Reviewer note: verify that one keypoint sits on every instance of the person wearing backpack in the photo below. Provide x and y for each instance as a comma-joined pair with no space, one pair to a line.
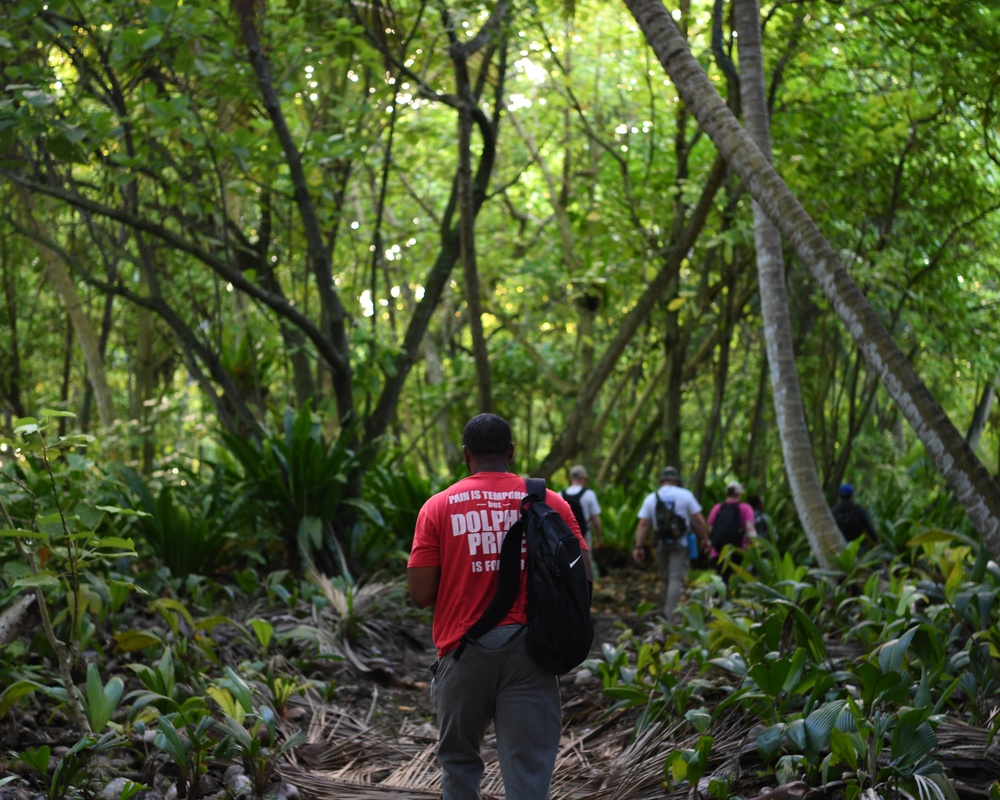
454,565
851,518
585,507
731,523
762,521
669,514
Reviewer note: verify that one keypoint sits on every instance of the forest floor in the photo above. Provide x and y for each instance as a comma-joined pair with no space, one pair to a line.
379,742
374,735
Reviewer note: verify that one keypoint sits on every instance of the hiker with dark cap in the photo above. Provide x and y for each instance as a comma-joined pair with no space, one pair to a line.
454,566
851,518
585,507
658,515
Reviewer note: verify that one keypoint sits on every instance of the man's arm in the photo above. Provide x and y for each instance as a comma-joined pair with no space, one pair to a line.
595,524
423,583
641,531
594,520
701,528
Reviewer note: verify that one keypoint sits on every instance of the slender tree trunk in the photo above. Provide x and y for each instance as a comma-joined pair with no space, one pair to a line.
143,391
640,411
467,229
675,342
10,361
334,314
379,419
713,421
824,536
971,482
59,275
982,413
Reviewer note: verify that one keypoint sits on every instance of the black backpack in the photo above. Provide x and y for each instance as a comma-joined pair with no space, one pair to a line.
727,527
576,503
669,524
560,630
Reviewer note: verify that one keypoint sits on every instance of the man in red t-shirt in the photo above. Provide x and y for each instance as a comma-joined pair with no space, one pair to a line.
454,566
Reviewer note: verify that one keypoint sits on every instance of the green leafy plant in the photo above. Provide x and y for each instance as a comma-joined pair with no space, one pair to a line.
163,693
101,700
189,753
61,546
300,482
691,764
68,777
191,527
394,491
258,744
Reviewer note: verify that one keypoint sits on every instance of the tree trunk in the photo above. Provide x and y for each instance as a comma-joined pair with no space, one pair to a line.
467,227
712,422
334,314
57,272
982,413
10,361
824,536
143,390
969,479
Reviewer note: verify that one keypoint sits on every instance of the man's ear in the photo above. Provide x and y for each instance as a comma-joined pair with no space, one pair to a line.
467,456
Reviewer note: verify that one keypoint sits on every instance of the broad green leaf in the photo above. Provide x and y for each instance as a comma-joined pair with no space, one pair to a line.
263,630
893,653
15,692
42,581
845,748
132,640
128,512
55,412
102,700
10,533
227,702
769,742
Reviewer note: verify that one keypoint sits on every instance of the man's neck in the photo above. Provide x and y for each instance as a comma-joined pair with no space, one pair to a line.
489,465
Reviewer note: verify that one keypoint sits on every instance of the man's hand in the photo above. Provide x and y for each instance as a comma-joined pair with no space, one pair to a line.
641,531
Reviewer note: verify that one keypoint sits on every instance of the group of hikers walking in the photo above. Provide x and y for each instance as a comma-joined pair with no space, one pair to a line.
462,563
672,524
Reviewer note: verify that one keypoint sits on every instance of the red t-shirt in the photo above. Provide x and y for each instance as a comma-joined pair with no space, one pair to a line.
461,531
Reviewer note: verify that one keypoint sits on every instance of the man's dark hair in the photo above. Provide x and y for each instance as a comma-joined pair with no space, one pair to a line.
487,435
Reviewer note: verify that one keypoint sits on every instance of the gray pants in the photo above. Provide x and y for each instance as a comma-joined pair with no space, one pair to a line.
673,561
497,680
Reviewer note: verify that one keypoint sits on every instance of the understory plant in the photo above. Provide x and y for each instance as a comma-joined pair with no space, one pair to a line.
62,537
845,673
301,483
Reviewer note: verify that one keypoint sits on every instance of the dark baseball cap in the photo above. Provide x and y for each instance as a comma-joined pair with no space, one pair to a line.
669,474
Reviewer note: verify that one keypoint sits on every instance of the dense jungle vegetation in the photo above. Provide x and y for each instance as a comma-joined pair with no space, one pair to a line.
260,262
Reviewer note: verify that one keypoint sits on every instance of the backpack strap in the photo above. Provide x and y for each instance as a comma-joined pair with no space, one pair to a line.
536,489
509,578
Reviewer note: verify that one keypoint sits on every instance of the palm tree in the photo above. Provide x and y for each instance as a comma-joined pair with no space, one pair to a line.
825,538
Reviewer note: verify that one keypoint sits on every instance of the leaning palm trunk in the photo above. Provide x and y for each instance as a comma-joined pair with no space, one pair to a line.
968,478
824,536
